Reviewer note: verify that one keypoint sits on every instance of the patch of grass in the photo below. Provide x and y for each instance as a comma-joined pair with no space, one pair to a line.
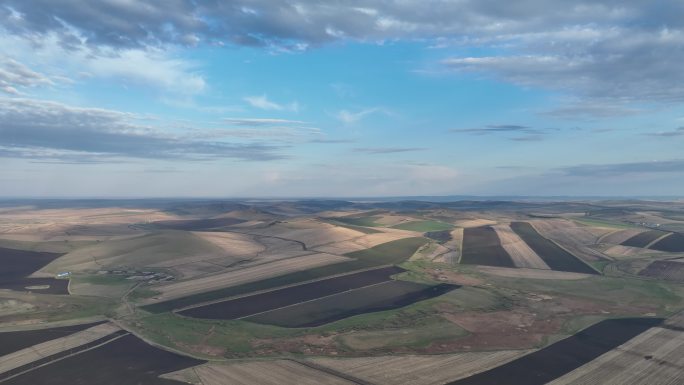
424,226
418,337
103,279
628,294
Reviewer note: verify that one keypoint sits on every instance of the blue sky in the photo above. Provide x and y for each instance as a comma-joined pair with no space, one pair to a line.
359,98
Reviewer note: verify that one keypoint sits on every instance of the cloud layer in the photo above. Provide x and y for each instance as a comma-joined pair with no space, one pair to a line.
47,130
612,50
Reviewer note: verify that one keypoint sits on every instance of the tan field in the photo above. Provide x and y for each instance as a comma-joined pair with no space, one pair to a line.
29,224
628,364
474,223
575,239
569,231
161,248
36,352
236,277
233,244
520,252
366,241
280,372
393,220
531,273
455,245
420,370
311,232
619,251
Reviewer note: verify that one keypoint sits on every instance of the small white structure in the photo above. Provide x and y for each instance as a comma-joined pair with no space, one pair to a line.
64,274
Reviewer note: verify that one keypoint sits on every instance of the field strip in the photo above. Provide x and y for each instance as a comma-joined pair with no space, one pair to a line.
271,372
37,352
435,369
66,354
654,357
249,274
49,325
657,240
521,254
331,371
316,299
531,273
251,293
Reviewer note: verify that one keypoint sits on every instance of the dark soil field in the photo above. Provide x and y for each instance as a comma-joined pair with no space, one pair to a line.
439,236
196,224
564,356
642,240
12,341
48,359
389,253
673,243
384,296
126,361
246,306
554,256
671,271
21,263
37,285
18,264
481,246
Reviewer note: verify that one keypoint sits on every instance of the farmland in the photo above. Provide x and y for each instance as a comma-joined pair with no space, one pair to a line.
385,254
424,226
382,296
17,340
284,293
481,246
259,303
653,357
672,243
669,270
554,256
521,254
124,360
18,265
562,357
420,370
644,239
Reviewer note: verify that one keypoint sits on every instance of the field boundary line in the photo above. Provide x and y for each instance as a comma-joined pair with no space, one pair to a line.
275,288
116,337
658,240
330,371
316,299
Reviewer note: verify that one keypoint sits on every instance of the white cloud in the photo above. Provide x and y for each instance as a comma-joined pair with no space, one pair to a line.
158,68
349,117
264,103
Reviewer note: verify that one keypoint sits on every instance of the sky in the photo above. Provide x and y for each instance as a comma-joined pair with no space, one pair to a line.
276,98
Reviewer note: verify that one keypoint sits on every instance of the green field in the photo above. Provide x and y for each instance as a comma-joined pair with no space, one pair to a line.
424,226
389,253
